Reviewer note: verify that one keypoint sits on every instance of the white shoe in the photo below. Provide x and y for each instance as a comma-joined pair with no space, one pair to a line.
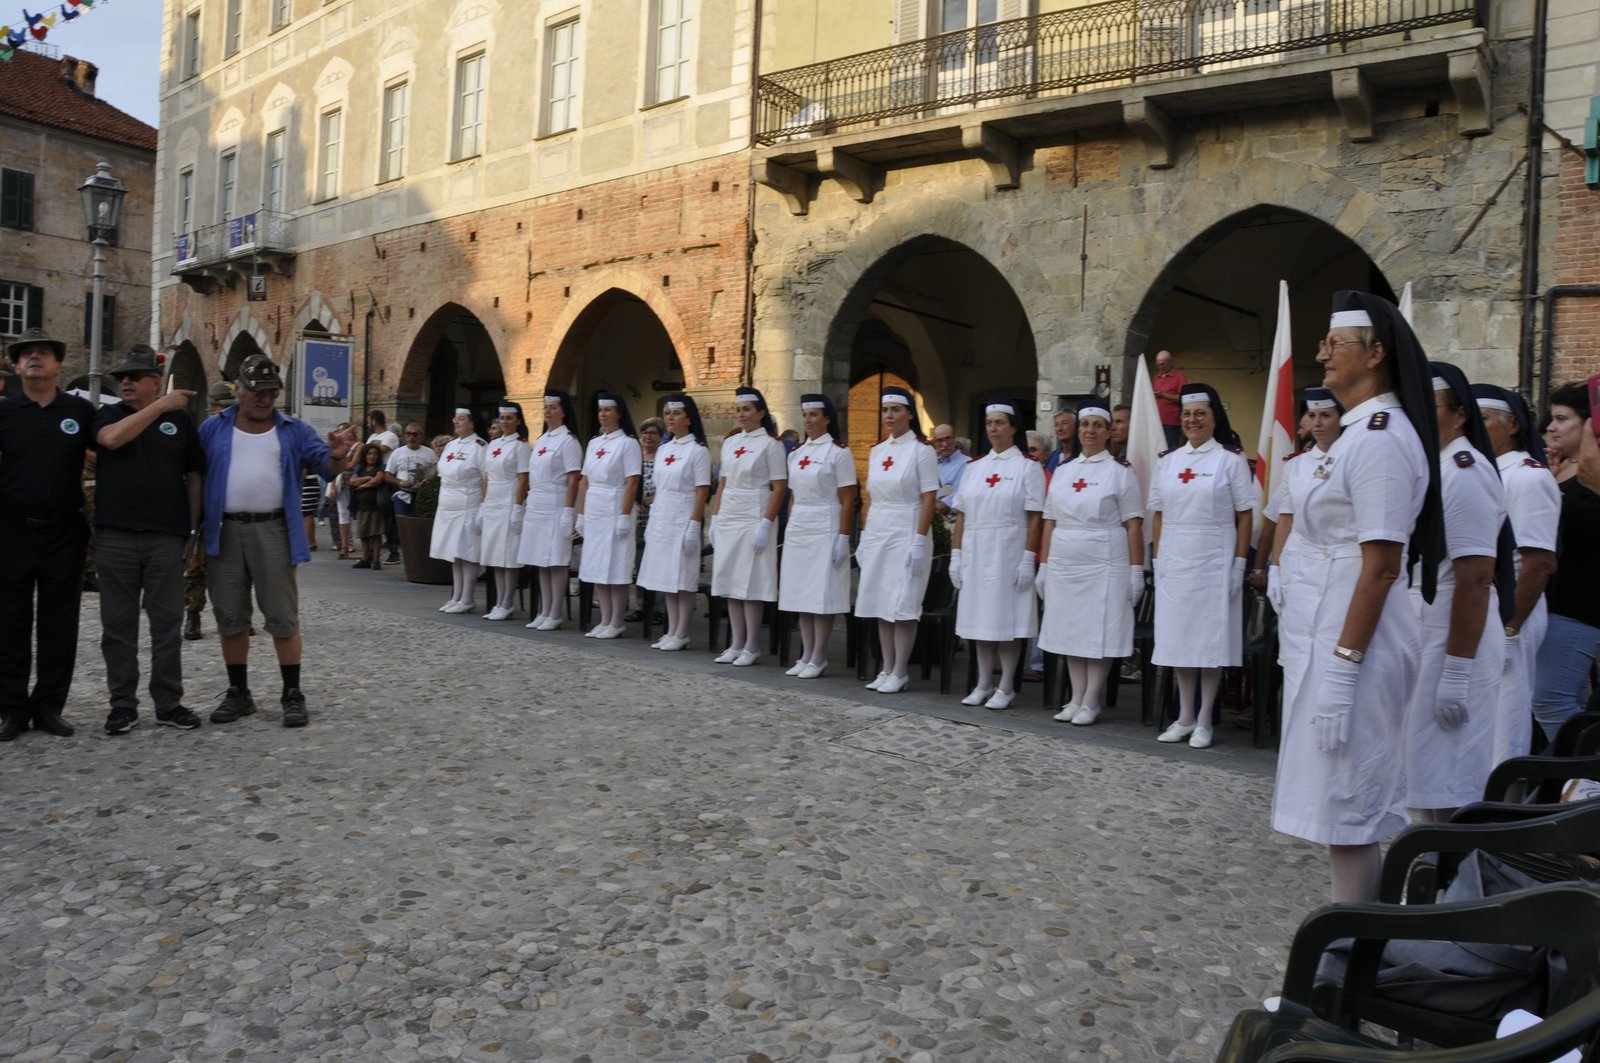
445,608
594,632
604,632
812,671
878,682
1068,711
978,696
550,623
746,659
894,684
1201,738
1176,733
536,624
1086,716
727,656
796,668
498,613
458,607
1000,699
673,642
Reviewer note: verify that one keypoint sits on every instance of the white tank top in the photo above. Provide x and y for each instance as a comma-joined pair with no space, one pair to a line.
253,479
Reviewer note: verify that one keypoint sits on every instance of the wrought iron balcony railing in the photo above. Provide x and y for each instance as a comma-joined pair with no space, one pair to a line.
1062,52
260,232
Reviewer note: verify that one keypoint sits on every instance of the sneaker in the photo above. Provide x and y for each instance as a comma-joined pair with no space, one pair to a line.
180,717
294,708
362,564
121,721
1131,672
393,558
235,704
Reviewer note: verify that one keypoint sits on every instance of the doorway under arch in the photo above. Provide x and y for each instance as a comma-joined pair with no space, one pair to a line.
1215,305
452,362
618,344
189,374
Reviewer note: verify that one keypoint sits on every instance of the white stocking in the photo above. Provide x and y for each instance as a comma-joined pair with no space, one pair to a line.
1094,683
1355,873
1078,677
822,627
752,625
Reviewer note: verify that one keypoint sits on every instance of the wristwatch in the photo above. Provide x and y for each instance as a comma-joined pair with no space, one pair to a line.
1511,631
1346,654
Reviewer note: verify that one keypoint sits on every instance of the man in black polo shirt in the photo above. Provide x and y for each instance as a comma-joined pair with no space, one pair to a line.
44,434
146,516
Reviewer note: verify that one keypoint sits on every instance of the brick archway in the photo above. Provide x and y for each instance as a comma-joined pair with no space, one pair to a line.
588,306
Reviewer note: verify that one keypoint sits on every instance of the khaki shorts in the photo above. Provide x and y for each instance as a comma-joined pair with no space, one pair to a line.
254,555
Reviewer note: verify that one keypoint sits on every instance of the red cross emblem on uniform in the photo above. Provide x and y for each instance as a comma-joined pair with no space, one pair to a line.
600,453
496,453
805,461
670,458
739,453
451,456
543,451
1080,485
1187,475
993,479
888,463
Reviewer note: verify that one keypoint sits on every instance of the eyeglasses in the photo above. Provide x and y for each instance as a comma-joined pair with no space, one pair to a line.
1332,344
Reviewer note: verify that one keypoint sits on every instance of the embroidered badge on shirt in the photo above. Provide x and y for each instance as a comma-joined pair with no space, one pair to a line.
1378,421
1187,474
670,458
993,479
496,453
804,462
1323,468
69,426
168,428
739,453
888,463
1464,459
1080,485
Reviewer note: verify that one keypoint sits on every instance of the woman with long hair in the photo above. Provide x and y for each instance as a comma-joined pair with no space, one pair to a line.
815,581
896,549
671,562
458,522
505,495
607,496
365,480
555,461
744,520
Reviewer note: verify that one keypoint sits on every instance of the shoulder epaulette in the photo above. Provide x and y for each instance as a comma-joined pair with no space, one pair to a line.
731,434
1120,460
1534,464
1233,448
1291,457
1464,459
1164,453
481,442
1378,421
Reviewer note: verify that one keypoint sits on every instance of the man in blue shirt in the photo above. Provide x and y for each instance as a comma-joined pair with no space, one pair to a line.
256,459
951,462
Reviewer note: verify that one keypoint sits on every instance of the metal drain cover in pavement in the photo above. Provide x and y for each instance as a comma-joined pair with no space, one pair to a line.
927,740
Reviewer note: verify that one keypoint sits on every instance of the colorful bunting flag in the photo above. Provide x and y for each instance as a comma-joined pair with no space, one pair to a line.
38,26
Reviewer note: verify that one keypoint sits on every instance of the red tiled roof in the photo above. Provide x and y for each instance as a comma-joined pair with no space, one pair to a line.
36,88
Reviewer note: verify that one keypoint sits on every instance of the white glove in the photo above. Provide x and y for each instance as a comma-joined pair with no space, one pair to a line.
623,525
841,550
1450,699
919,550
1040,578
691,537
1275,590
711,530
1024,570
569,521
1236,588
763,534
955,569
578,523
1135,585
1331,716
517,513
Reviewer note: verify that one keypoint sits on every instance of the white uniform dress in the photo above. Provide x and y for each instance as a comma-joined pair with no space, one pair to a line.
1199,613
669,565
994,498
607,463
1086,607
1295,570
750,462
899,471
1447,769
810,582
551,458
1533,501
455,537
504,460
1377,480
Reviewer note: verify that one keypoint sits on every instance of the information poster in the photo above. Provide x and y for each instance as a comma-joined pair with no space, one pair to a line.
323,381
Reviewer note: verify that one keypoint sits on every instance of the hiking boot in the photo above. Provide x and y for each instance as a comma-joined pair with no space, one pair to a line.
235,703
294,708
121,721
178,716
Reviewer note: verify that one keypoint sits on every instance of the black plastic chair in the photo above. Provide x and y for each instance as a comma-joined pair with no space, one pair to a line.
1538,780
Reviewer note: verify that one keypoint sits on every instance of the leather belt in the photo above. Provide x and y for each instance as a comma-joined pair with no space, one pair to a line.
254,518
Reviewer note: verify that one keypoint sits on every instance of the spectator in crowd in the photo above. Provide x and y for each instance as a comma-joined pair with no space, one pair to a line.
339,490
44,438
378,425
964,447
1121,417
437,445
790,438
147,520
252,531
1067,448
1568,653
365,480
378,432
219,396
1168,384
951,462
407,468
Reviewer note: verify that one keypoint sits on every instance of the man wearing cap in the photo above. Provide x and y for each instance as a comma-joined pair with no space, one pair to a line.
147,519
44,435
253,533
1168,384
219,396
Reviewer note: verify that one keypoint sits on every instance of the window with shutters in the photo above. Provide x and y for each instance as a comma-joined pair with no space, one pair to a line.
469,107
561,78
966,64
191,45
392,159
282,14
16,199
108,320
330,140
233,29
20,306
227,183
671,45
186,201
272,183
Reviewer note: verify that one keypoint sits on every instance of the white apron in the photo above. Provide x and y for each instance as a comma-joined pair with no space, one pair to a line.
1086,607
1199,618
460,494
551,458
668,565
750,462
504,461
810,582
608,462
1533,502
1295,576
994,498
899,471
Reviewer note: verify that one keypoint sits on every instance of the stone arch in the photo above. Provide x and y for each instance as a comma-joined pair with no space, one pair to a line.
450,358
316,308
618,340
585,296
244,323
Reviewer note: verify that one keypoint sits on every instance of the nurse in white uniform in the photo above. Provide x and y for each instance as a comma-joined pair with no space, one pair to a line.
1091,564
1341,776
993,549
1290,565
459,519
671,562
895,552
1453,717
815,581
555,461
607,493
1203,499
505,493
744,564
1533,502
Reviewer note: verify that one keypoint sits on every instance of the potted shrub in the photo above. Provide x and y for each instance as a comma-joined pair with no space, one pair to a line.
416,535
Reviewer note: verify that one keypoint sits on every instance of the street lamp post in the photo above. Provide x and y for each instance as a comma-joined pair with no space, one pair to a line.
102,205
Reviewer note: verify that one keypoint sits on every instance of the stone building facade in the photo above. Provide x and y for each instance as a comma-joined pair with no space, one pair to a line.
1569,349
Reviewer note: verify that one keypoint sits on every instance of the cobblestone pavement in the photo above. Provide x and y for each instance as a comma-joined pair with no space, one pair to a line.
492,844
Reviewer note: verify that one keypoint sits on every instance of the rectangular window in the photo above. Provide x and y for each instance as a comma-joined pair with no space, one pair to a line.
20,307
282,14
272,183
233,30
332,130
469,107
393,160
186,201
16,199
227,181
671,48
191,45
108,320
561,78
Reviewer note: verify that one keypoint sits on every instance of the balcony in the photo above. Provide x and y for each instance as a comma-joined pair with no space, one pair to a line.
240,246
1143,64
